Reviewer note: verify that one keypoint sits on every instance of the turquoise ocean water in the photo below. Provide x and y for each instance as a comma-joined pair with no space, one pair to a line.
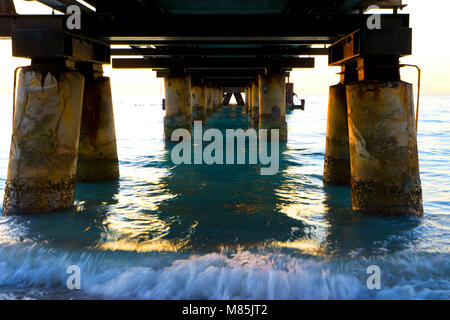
226,232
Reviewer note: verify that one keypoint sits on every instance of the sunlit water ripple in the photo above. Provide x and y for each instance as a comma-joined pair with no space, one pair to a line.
226,232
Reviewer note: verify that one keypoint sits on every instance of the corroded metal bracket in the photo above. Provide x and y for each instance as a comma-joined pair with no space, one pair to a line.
45,37
393,39
58,44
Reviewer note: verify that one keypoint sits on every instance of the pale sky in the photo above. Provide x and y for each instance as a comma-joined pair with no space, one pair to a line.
431,51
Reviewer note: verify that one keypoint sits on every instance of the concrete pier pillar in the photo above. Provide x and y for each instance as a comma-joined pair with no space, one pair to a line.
198,98
272,104
178,109
97,155
337,151
255,103
227,98
383,148
216,100
250,101
246,100
220,97
209,95
188,92
44,147
239,99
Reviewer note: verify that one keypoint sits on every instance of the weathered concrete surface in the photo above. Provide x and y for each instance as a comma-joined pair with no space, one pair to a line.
383,148
178,109
272,104
198,98
44,147
209,100
97,155
255,103
337,151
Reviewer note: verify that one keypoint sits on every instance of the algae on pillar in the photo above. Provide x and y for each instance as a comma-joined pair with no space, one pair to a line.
178,109
337,150
383,144
255,103
97,155
272,104
44,147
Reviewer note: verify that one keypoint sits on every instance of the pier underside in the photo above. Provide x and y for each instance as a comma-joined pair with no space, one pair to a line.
207,51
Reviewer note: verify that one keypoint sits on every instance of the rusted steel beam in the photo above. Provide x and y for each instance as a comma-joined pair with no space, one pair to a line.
368,43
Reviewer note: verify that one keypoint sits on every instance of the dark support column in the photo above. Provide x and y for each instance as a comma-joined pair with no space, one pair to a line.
337,152
239,99
289,95
227,98
46,131
217,102
97,155
248,99
209,94
383,141
7,6
255,103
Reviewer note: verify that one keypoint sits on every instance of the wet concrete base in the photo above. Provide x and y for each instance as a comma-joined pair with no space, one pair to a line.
44,147
383,148
172,123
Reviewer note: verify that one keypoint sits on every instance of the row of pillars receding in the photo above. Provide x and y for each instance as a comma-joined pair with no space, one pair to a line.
63,132
188,100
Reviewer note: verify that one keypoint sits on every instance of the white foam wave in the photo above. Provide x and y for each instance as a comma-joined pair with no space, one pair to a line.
243,275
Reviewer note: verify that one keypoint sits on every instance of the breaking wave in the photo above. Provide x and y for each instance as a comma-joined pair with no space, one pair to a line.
241,275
